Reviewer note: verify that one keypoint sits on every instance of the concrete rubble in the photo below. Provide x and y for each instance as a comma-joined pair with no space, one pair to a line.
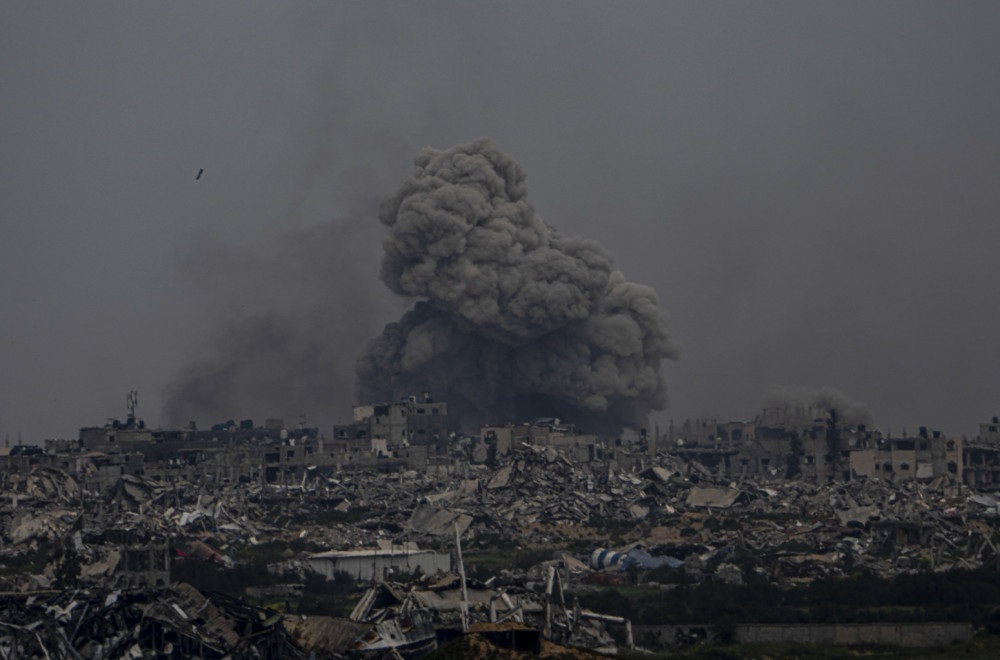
638,512
174,621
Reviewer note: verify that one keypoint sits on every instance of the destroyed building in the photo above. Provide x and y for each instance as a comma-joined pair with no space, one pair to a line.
117,438
543,432
981,459
731,503
390,429
628,513
412,434
822,452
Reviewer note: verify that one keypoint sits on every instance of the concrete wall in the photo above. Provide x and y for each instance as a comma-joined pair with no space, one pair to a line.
863,463
503,436
989,433
115,439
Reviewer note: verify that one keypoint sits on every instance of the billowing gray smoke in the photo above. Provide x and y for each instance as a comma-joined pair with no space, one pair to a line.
513,320
802,405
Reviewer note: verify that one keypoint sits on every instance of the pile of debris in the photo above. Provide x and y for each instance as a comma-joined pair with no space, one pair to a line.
636,514
177,620
536,496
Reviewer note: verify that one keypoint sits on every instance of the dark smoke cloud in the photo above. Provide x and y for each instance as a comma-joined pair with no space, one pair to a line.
294,317
514,320
801,405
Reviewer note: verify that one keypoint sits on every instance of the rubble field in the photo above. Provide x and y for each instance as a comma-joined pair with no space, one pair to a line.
550,544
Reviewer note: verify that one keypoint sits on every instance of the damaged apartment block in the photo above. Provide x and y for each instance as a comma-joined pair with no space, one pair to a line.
519,534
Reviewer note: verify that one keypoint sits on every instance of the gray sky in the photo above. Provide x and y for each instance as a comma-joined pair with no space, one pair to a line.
811,188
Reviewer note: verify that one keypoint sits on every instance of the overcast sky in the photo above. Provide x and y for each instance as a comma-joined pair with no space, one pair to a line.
811,188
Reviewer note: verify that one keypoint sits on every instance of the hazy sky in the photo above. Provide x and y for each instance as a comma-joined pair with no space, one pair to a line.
812,188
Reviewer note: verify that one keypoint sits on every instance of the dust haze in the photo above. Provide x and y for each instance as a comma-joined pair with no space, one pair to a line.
810,190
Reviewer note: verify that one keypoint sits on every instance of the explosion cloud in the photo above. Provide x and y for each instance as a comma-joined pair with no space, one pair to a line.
512,319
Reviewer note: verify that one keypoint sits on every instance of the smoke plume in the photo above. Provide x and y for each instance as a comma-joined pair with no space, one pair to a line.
289,323
802,405
512,319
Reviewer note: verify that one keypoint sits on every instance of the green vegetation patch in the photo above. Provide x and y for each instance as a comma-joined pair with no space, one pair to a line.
985,648
960,596
486,563
272,552
207,576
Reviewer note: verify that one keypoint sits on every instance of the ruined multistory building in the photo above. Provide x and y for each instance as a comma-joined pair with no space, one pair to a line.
544,432
989,433
115,437
413,434
927,456
825,451
390,429
981,459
